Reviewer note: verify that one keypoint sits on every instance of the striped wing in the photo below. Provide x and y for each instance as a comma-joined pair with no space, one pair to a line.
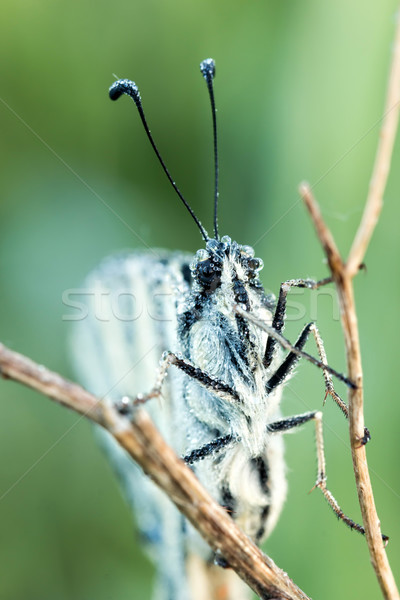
132,302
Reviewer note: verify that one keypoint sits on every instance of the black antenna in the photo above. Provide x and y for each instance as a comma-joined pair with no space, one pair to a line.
125,86
207,68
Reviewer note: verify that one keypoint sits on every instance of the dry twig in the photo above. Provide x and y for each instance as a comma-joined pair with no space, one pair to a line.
343,274
145,445
381,168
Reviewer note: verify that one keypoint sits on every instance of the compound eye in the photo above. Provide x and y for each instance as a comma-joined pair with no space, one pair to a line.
254,264
208,274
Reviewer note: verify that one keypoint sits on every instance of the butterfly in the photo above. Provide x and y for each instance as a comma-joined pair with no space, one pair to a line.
200,332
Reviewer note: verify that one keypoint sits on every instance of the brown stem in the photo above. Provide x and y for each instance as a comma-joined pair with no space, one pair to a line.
381,168
145,445
344,285
343,274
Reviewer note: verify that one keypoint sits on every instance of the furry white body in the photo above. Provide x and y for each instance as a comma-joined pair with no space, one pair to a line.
190,312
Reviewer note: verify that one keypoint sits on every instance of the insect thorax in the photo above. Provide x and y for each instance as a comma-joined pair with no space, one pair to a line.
225,345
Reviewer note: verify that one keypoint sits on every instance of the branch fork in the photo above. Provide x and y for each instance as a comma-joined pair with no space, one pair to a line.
343,272
141,440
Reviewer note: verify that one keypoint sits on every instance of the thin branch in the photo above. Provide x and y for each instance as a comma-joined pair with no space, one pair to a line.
381,168
344,285
143,442
326,238
145,445
343,277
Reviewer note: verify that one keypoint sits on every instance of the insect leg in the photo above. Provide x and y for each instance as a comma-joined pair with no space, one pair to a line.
286,367
291,422
210,449
278,322
209,383
284,370
286,344
329,383
328,379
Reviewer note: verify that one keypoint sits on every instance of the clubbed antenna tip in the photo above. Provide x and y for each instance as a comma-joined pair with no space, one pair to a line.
125,86
207,68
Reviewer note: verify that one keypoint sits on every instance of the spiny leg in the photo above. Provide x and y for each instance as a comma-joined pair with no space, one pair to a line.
316,416
214,386
126,404
210,449
329,387
284,370
278,322
285,343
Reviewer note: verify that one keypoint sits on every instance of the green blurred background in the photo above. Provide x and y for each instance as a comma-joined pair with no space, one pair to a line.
300,89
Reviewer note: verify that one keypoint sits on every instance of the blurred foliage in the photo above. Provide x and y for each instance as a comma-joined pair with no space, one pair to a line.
300,89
